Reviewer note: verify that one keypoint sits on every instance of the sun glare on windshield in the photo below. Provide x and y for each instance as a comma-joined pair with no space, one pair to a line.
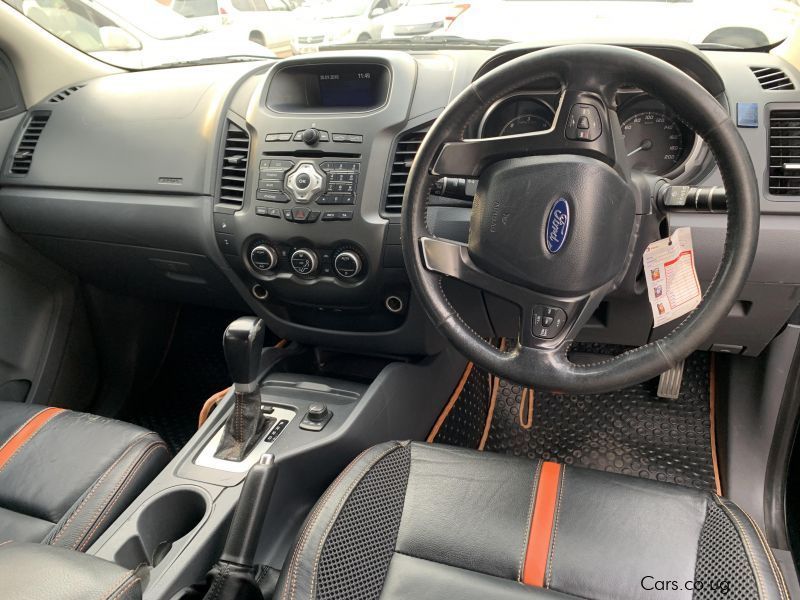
142,34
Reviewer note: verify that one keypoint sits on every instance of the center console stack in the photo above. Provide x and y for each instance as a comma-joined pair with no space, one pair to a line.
300,217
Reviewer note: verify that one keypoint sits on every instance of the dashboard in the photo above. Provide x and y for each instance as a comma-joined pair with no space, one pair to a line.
277,188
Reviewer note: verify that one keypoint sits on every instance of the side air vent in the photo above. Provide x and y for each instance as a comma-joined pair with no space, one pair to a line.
772,78
64,94
784,152
234,165
406,149
23,153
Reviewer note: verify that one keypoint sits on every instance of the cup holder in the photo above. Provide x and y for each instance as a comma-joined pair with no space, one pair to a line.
162,521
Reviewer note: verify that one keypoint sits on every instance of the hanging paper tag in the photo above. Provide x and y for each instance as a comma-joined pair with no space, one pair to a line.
672,285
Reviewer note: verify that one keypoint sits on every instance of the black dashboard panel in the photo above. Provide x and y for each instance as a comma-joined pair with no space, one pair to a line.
259,184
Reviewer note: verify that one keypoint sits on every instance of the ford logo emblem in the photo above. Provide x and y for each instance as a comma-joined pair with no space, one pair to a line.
557,226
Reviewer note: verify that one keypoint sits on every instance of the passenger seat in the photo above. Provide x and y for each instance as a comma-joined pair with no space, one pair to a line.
65,476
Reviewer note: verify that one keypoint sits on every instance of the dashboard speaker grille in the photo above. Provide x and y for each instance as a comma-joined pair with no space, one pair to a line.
405,150
784,152
65,93
234,165
772,78
23,153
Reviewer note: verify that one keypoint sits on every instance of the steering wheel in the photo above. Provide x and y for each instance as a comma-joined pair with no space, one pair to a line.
557,217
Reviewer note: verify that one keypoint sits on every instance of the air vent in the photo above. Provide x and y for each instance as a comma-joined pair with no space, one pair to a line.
23,154
234,165
784,152
772,78
65,93
407,145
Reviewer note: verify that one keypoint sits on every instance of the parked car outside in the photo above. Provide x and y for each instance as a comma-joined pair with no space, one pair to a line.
134,35
340,22
422,17
270,23
725,22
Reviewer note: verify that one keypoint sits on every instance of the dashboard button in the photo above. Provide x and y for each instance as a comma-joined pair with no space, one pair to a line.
355,139
261,211
270,185
284,137
310,136
343,199
226,243
287,214
304,261
279,163
329,215
312,216
324,136
275,213
344,215
271,196
271,174
223,223
339,137
347,264
300,214
263,257
303,181
327,199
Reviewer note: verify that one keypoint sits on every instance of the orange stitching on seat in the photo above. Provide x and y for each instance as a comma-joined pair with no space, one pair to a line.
25,434
95,487
117,493
541,530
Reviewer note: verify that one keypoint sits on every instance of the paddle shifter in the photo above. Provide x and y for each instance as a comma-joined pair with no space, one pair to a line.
242,342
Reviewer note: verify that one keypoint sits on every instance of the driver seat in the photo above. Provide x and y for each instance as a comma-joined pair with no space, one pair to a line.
408,520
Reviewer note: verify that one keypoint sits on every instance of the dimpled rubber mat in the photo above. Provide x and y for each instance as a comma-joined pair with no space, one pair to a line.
466,421
629,431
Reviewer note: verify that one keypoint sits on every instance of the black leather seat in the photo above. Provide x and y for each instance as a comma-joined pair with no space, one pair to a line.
65,476
411,520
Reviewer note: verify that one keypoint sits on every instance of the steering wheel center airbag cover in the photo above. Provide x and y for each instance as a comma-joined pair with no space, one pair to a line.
560,224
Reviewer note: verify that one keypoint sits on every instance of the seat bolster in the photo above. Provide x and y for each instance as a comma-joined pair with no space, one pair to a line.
298,579
112,491
767,573
37,572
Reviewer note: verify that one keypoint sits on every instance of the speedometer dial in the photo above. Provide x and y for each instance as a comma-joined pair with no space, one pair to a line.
525,124
655,142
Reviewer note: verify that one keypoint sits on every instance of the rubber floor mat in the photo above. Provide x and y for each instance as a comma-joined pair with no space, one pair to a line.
629,431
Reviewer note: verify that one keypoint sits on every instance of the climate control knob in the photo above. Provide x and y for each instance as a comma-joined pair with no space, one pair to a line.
304,261
347,264
263,257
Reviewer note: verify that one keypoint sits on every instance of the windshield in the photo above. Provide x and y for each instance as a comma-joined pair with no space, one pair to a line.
151,33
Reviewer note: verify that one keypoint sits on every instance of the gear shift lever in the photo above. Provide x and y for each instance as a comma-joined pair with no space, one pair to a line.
242,343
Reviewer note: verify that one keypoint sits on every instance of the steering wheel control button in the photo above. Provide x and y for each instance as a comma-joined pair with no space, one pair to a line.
547,321
304,182
583,123
347,264
304,262
316,417
263,257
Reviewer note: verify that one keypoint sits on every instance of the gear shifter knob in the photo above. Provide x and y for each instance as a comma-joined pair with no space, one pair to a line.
242,342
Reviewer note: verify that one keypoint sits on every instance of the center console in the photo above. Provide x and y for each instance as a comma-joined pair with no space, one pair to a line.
300,218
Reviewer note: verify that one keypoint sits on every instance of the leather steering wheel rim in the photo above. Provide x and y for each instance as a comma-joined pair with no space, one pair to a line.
602,69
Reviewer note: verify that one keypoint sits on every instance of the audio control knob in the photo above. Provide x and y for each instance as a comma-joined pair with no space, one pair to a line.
347,264
304,261
263,257
311,136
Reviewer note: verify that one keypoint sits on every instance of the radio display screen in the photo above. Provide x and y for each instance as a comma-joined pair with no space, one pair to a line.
344,86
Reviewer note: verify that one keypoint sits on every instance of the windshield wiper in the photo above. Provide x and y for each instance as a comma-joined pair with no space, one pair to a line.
213,60
421,41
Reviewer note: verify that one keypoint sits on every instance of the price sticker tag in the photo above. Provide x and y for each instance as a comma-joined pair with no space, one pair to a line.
672,284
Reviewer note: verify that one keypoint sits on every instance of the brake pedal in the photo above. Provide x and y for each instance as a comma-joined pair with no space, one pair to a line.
669,383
